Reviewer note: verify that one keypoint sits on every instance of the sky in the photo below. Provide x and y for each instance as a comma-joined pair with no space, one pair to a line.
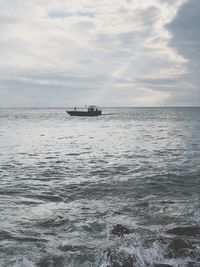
57,53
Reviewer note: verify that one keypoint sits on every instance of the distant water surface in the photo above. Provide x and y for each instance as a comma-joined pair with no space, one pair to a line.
66,181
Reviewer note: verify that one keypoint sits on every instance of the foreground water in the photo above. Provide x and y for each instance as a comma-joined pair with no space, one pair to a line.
67,181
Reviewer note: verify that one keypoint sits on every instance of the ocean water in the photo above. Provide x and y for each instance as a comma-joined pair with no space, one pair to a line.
65,182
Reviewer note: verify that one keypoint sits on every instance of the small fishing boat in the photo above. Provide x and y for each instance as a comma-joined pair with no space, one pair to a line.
90,112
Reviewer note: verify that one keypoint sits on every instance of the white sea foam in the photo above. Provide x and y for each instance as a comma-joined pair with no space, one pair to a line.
24,263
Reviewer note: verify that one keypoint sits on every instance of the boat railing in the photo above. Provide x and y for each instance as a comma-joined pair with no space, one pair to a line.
86,108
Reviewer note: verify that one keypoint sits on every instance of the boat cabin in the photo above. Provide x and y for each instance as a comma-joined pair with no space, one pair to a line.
92,108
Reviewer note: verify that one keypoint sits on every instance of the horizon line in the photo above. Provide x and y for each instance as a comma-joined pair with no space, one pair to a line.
62,107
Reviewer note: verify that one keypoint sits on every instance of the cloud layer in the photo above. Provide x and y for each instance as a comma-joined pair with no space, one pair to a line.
110,53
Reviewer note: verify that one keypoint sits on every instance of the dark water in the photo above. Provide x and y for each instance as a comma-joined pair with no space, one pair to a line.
66,181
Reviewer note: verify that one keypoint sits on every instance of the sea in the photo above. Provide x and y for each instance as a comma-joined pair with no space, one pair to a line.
68,183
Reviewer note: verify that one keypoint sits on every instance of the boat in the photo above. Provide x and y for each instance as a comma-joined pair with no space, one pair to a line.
90,112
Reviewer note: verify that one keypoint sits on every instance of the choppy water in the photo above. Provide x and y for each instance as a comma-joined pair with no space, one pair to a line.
66,181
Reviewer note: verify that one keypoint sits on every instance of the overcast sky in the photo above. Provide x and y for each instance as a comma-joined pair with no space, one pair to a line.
56,53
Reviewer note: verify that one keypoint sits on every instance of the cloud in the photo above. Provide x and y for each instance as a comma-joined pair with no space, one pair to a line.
103,52
186,40
186,35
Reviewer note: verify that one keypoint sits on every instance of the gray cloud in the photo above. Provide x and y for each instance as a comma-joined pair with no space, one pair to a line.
186,34
186,39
